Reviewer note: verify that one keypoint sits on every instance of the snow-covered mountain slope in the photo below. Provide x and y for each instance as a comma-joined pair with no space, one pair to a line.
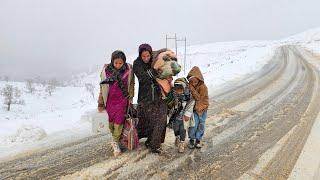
307,37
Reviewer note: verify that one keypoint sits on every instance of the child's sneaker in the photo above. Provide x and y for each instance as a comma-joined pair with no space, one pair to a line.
181,147
116,149
191,144
177,141
198,144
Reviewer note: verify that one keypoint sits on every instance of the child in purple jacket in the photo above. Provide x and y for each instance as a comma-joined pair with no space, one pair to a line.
116,92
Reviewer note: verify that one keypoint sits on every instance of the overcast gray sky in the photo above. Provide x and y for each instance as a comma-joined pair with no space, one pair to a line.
60,37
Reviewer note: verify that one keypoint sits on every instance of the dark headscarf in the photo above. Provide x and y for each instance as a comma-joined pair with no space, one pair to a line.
145,47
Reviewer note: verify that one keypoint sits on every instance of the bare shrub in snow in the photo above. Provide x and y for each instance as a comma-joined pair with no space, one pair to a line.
11,96
30,86
90,88
51,86
54,82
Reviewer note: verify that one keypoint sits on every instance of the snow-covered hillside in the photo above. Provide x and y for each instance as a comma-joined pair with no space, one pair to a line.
48,120
223,62
309,39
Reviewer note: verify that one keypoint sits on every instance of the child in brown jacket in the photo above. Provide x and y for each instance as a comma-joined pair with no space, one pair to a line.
199,92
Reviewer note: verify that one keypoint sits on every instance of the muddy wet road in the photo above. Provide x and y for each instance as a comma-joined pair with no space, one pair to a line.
256,129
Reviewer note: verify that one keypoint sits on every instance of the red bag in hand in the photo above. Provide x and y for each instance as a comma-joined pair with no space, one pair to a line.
129,137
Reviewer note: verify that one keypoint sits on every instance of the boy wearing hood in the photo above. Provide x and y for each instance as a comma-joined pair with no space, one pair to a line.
199,92
181,106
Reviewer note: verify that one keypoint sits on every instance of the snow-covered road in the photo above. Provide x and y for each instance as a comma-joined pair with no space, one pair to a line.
256,129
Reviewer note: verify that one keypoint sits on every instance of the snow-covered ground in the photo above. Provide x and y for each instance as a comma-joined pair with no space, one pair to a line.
65,116
44,119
